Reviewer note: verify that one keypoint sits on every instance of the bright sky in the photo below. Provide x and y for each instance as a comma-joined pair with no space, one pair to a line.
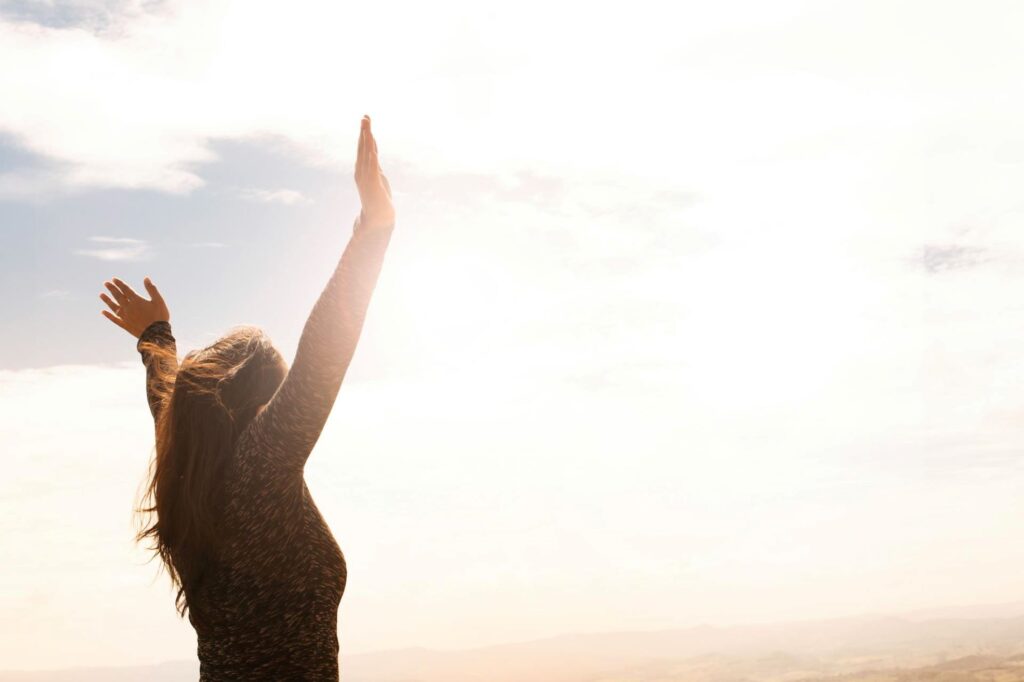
706,314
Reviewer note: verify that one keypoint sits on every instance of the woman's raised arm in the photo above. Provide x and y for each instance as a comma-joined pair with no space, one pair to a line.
149,322
159,354
290,424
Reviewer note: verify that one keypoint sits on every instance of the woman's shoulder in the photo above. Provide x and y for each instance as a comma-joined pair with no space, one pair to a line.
254,471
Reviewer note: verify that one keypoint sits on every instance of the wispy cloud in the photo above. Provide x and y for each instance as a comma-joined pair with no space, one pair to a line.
29,184
56,293
288,197
117,249
93,15
936,258
207,245
676,197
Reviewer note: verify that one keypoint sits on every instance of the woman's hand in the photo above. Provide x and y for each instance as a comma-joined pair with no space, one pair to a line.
374,189
131,312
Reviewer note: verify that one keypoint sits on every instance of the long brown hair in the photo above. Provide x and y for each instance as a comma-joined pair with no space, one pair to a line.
203,407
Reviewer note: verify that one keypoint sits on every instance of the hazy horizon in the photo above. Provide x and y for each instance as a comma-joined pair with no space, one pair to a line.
702,314
973,643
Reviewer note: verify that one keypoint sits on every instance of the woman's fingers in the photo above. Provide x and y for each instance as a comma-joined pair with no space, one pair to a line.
372,167
113,306
372,162
128,291
374,188
153,292
369,156
361,150
119,295
116,320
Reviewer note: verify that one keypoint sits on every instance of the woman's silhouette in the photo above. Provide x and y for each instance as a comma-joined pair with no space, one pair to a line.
230,516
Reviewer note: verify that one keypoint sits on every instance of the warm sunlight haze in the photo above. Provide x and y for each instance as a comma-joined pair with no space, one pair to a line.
694,313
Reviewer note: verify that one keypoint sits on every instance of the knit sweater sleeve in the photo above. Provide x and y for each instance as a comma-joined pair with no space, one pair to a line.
158,367
291,422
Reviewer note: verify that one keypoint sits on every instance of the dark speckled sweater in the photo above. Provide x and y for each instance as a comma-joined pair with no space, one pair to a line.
269,603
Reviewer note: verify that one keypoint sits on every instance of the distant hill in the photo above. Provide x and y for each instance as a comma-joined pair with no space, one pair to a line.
966,669
176,671
867,649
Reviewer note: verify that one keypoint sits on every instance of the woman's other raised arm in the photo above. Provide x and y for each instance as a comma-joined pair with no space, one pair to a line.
290,424
149,322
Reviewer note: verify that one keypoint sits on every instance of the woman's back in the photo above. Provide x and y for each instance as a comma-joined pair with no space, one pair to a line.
269,605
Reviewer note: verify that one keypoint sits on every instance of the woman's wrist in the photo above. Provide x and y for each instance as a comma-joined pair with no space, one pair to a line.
373,223
156,328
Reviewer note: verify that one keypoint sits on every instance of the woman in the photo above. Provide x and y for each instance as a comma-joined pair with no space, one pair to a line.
231,518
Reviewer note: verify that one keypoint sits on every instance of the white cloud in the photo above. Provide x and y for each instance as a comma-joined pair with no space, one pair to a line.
32,185
288,197
137,108
118,249
97,15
